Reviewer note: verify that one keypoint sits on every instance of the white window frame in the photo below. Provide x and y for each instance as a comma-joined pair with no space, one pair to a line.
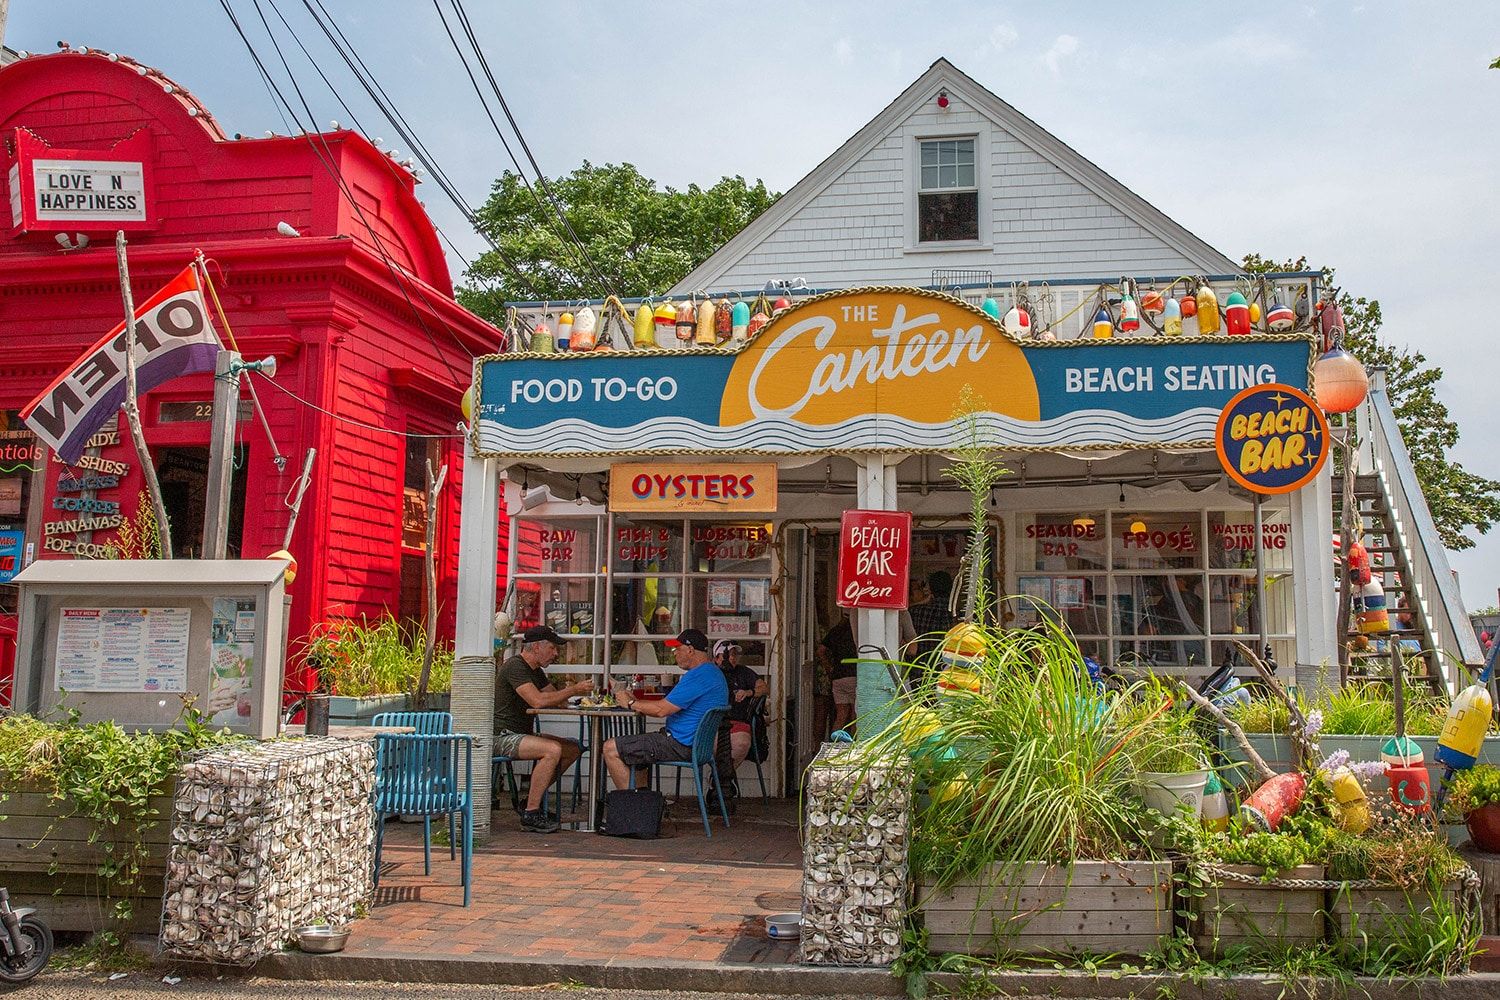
913,188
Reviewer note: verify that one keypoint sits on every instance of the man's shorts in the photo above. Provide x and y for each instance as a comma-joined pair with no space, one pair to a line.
508,744
844,690
645,749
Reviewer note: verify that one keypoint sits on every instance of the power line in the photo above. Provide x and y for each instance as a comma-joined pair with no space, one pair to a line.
350,420
520,172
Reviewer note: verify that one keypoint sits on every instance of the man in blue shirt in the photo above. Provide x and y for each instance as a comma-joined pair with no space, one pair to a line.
700,688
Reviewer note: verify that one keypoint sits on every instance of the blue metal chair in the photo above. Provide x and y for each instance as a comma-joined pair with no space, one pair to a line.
423,724
419,775
704,742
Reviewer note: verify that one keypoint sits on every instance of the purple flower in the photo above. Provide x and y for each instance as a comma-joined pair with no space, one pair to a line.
1368,770
1336,760
1314,724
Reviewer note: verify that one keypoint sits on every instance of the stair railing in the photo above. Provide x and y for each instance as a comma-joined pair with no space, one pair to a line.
1434,591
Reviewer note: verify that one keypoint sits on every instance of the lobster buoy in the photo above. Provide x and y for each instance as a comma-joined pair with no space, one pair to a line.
781,303
1104,329
1171,318
1280,319
1215,804
1017,322
585,330
1468,720
686,320
1130,314
963,648
990,308
1188,306
1236,315
739,322
1153,303
1405,752
756,322
1351,810
665,320
708,326
1254,313
1359,565
645,327
291,564
1411,787
1370,602
1331,323
564,338
541,339
723,321
1208,311
1274,801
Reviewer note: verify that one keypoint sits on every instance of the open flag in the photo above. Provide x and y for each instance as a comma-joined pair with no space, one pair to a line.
172,338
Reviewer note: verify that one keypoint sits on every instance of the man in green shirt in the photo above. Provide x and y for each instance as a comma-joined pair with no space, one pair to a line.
520,684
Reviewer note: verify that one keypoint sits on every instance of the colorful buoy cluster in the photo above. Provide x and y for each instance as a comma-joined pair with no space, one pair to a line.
694,322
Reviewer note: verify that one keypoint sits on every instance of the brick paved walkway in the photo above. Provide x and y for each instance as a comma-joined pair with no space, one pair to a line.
582,897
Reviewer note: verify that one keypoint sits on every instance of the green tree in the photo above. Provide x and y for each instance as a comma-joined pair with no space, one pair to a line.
1459,499
641,239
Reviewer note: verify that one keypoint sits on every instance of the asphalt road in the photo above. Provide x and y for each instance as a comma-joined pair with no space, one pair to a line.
96,986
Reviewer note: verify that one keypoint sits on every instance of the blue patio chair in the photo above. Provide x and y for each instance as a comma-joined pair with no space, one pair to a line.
704,742
423,724
419,775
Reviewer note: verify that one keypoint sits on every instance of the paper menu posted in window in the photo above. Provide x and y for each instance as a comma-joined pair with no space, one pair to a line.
123,649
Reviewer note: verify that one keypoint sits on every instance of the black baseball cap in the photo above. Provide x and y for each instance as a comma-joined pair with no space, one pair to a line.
541,633
690,637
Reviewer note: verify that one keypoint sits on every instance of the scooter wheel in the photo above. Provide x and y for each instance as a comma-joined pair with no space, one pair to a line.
36,952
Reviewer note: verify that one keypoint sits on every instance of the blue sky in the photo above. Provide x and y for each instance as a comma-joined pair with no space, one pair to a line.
1359,134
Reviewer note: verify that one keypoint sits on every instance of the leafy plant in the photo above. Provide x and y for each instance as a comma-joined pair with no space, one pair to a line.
1474,789
1167,739
106,775
138,537
1350,711
1302,839
357,659
977,471
1402,852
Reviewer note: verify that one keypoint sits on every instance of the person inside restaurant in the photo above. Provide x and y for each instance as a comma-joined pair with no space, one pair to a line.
747,691
701,688
520,684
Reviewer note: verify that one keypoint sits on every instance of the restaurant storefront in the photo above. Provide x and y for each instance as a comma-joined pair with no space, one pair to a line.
1114,516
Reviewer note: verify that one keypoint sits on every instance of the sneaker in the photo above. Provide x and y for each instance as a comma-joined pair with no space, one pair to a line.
538,822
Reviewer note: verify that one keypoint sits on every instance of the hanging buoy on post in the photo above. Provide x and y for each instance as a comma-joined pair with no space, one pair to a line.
685,323
541,339
1130,313
1280,319
757,321
1017,322
708,327
1236,315
1153,303
990,308
739,322
1104,328
665,320
1171,318
645,328
723,321
1207,310
1374,619
564,332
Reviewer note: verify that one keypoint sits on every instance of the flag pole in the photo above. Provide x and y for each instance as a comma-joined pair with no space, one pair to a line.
133,412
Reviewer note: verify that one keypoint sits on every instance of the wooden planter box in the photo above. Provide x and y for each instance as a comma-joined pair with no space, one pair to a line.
1103,907
1261,917
1376,916
47,862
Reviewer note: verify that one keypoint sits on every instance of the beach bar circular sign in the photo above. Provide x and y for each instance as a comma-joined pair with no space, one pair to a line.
1272,438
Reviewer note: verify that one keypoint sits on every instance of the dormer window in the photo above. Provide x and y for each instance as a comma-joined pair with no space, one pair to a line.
948,198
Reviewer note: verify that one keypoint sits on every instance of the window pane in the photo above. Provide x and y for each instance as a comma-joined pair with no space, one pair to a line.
948,217
947,155
1079,602
647,546
1158,541
1061,542
730,548
1159,605
729,609
929,154
567,606
965,175
1232,611
930,176
557,545
1231,535
965,151
947,176
648,606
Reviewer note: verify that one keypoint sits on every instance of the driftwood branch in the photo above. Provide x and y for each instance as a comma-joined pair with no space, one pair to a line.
1256,760
1305,750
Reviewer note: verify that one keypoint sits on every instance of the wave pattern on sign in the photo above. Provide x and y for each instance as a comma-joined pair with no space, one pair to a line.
871,432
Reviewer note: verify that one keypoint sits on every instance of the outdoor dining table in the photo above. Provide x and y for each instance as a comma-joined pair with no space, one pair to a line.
595,717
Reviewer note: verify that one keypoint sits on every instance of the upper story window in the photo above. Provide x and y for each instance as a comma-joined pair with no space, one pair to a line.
948,199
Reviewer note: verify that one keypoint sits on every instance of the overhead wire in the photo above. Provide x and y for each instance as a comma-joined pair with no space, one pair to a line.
398,273
351,420
571,237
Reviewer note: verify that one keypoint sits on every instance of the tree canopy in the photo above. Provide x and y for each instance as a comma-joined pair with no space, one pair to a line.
1459,499
640,239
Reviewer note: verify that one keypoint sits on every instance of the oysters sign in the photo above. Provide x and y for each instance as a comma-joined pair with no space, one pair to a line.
873,370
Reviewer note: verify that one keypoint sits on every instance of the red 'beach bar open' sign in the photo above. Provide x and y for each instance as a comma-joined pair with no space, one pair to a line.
874,559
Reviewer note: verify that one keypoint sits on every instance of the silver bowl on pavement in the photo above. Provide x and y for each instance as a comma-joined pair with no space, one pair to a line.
322,940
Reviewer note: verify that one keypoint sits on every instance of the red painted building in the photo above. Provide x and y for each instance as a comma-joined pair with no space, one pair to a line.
358,310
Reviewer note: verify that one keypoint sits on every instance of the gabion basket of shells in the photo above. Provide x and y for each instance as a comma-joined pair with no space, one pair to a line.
854,860
267,838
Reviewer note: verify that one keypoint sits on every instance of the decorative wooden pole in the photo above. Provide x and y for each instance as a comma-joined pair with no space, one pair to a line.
429,560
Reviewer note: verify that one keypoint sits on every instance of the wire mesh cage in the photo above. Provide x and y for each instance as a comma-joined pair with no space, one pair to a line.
854,863
954,279
266,838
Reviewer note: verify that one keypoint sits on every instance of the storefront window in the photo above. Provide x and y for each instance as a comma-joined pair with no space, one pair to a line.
646,546
731,608
1065,542
1231,536
558,545
1232,604
647,605
1158,541
730,548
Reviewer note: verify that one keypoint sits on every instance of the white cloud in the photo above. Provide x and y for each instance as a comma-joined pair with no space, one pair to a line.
1063,47
844,51
1003,36
1247,44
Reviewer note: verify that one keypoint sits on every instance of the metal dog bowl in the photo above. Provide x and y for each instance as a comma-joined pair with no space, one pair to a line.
784,925
322,940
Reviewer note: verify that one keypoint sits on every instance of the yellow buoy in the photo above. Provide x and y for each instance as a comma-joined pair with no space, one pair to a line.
291,564
466,403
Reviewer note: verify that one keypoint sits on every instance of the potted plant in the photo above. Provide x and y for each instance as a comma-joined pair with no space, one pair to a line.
1475,795
1169,756
371,668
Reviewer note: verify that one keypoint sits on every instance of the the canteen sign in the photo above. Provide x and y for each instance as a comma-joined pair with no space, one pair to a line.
1272,439
873,370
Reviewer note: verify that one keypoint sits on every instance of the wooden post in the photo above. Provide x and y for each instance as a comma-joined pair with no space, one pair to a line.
133,411
1347,519
302,484
429,561
221,456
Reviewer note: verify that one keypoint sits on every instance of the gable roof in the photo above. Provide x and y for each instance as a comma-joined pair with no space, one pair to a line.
943,74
